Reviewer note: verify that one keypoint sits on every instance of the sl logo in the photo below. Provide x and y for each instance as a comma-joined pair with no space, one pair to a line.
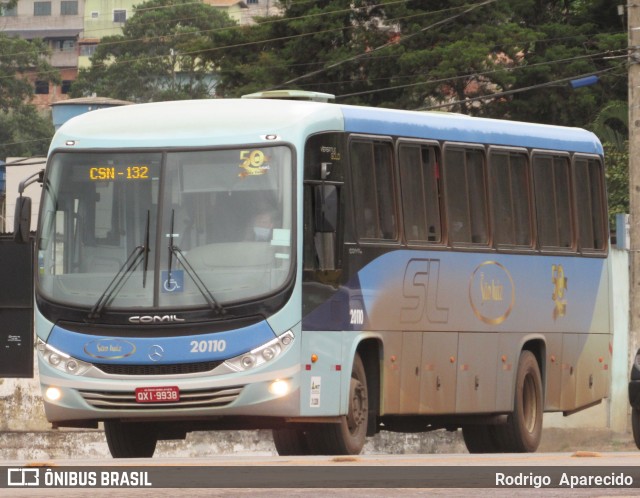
559,291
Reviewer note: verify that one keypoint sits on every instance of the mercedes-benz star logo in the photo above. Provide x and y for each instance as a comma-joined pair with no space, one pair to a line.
156,352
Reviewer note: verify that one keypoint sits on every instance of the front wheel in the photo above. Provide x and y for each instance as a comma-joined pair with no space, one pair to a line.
349,436
129,440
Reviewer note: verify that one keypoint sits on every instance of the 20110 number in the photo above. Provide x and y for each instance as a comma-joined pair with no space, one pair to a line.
210,346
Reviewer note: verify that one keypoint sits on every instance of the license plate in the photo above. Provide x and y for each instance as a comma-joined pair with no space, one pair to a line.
165,394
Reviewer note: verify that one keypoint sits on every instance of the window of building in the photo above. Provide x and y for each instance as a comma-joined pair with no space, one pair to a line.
466,199
509,173
589,197
88,49
119,15
553,200
66,86
7,11
255,2
42,87
95,14
373,189
41,8
419,174
69,8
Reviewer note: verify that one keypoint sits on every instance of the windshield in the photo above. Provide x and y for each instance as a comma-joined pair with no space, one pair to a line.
165,230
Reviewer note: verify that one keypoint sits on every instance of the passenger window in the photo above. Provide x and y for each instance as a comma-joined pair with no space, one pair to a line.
373,192
553,201
466,201
590,203
419,176
511,199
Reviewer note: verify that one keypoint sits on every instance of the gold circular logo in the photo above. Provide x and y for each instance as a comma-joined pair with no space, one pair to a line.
491,292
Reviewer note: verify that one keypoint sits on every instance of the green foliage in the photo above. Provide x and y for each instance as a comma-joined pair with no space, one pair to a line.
617,175
24,133
19,59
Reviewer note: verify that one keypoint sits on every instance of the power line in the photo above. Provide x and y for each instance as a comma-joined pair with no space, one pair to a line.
483,73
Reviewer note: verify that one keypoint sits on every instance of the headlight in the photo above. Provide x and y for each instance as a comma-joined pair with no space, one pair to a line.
61,361
261,355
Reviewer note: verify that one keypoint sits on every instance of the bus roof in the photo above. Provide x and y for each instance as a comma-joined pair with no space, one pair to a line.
235,121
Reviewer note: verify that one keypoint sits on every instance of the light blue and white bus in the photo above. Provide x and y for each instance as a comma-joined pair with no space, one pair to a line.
322,270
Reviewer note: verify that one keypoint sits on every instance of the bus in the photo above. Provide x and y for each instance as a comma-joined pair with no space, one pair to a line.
323,271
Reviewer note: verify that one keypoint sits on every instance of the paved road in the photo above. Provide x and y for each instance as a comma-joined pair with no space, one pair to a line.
397,475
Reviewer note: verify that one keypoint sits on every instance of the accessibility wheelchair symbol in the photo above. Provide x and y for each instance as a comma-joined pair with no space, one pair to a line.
174,282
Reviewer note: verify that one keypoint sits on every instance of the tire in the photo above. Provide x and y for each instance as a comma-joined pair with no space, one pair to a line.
523,429
127,440
481,439
289,442
349,436
635,425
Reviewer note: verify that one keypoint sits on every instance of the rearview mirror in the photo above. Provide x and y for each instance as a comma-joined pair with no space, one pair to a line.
22,220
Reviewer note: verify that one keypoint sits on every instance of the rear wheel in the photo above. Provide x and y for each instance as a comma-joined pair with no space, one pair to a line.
635,425
523,430
130,440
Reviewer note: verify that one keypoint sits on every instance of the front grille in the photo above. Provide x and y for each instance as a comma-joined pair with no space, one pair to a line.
208,398
177,369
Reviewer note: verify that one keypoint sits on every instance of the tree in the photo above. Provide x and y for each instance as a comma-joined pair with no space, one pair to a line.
23,131
166,52
403,54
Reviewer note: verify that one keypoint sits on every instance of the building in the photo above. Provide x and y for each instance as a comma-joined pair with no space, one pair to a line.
60,24
73,29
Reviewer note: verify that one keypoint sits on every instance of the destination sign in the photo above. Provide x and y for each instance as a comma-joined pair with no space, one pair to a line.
108,173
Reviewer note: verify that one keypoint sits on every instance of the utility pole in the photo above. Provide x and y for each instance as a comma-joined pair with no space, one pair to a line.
633,20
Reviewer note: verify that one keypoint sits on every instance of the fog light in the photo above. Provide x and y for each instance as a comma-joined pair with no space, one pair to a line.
279,387
53,394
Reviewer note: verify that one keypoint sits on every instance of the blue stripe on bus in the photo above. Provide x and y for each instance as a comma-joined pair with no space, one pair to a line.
459,128
160,350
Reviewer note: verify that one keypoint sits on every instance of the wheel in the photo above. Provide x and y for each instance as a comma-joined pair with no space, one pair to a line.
127,440
523,429
291,442
348,436
635,425
481,439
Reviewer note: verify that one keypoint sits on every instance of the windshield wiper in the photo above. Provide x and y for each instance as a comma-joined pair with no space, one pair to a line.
116,283
139,253
175,250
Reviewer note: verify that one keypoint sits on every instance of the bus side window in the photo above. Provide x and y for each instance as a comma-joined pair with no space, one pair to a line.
420,192
466,201
589,203
373,189
553,201
511,198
